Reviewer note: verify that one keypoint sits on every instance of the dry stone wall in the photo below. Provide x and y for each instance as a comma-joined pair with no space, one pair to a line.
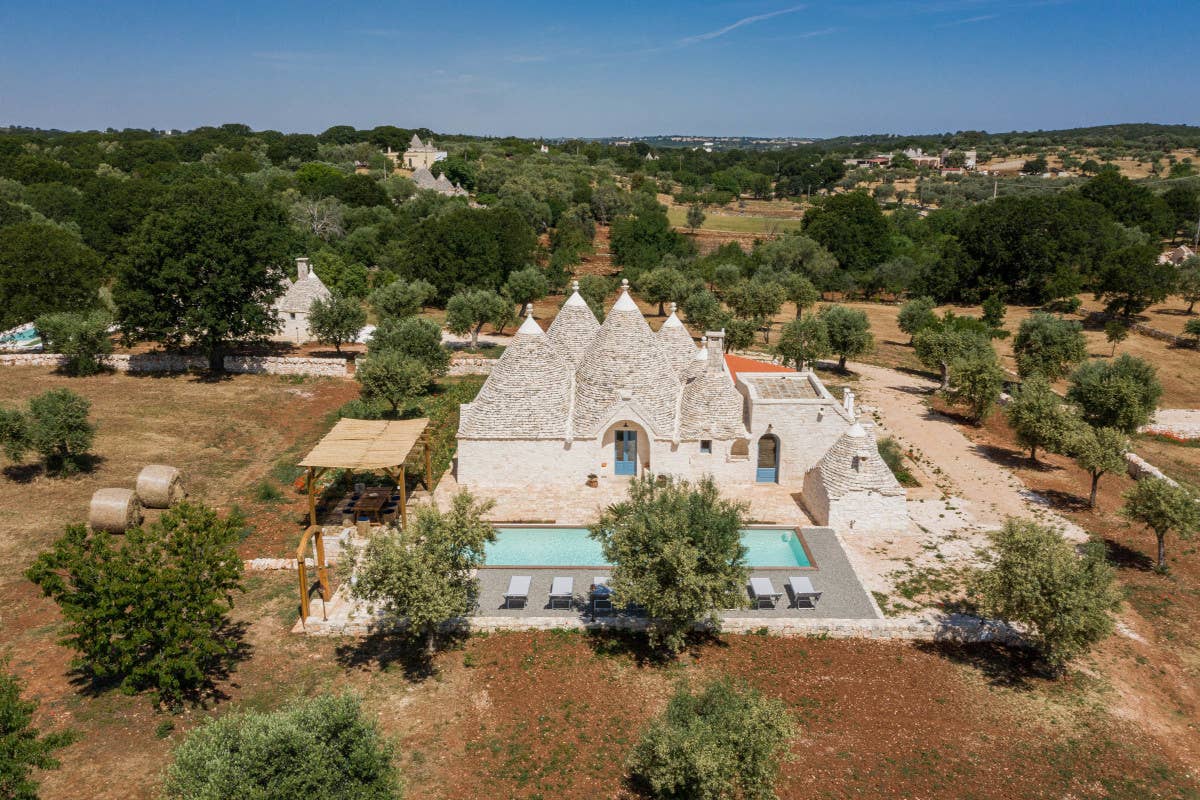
175,362
472,366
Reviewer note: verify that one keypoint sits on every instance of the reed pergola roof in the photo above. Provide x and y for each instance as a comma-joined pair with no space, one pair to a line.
366,444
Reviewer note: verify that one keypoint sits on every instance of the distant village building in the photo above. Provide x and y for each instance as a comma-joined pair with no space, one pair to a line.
922,159
420,154
362,168
292,307
617,400
424,179
1176,255
543,149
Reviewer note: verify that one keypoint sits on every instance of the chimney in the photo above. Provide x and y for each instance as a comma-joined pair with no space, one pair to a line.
716,350
848,402
302,268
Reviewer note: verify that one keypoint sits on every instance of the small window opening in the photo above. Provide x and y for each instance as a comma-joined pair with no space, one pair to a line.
706,445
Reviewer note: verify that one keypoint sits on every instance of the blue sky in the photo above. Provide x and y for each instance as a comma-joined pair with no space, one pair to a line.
605,68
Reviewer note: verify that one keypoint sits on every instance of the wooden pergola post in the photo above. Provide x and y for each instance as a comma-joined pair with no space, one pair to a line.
403,498
311,484
428,465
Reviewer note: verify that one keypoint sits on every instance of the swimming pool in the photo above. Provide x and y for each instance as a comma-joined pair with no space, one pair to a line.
572,547
23,336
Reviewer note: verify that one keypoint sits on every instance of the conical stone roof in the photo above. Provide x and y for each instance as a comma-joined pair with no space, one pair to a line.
676,343
853,464
424,179
526,396
712,408
624,362
574,328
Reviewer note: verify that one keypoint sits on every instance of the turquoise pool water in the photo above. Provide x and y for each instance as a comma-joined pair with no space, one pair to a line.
27,336
572,547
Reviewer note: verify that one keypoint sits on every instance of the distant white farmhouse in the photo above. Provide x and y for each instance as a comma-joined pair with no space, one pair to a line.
293,305
618,400
420,154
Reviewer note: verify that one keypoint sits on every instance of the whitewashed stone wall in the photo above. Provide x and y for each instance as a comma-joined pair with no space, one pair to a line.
686,461
806,431
508,462
856,512
175,362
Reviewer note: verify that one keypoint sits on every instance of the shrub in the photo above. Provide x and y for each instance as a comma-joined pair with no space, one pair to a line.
151,613
726,741
1035,578
916,315
318,748
893,455
56,426
81,337
23,748
677,552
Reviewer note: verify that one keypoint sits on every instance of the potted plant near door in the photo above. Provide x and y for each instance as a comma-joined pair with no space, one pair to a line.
593,480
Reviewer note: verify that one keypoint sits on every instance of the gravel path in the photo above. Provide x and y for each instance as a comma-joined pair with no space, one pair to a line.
1181,422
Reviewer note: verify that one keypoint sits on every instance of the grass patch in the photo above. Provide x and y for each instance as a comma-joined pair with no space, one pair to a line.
267,492
736,224
893,455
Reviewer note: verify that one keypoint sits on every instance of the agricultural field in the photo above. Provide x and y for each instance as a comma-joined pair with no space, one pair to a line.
734,222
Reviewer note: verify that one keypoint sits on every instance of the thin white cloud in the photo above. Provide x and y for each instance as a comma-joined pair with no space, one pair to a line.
704,37
526,59
968,20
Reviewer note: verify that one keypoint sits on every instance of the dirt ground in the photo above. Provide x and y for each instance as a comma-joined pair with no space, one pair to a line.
554,714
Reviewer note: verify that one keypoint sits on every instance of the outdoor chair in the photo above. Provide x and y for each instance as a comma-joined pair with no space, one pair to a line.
802,589
601,596
762,592
562,590
518,590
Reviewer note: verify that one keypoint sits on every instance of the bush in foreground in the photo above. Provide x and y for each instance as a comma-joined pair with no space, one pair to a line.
81,337
151,613
319,748
23,748
1062,599
726,741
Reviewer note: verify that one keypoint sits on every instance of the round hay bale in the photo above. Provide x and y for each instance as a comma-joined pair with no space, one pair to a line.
114,510
159,486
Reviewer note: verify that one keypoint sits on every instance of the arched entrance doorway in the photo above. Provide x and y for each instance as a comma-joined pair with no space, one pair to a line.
768,459
625,451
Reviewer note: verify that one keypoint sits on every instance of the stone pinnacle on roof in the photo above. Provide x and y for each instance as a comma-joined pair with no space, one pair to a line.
574,327
624,360
853,464
528,393
676,342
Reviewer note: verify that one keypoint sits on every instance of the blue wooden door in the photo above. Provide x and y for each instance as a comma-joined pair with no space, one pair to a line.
768,460
626,453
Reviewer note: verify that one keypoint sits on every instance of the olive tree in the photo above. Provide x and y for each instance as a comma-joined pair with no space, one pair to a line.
55,426
525,286
332,751
803,341
978,382
800,291
727,740
1098,451
417,337
950,340
336,320
424,573
849,332
401,299
1038,417
676,550
1122,393
395,378
1162,507
916,315
82,337
1064,600
1048,345
468,311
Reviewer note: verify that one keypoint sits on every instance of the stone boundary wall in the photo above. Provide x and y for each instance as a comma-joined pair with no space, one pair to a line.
471,366
175,362
1144,330
954,628
1139,468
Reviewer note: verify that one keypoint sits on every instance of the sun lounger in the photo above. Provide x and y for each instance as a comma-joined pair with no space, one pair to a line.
518,589
762,591
562,590
802,589
601,596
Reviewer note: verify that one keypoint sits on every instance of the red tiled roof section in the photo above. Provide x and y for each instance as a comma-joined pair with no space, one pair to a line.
738,364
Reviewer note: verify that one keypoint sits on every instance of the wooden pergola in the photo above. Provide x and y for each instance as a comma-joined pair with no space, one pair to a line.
360,445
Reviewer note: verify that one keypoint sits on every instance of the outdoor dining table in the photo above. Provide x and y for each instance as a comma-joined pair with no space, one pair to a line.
371,502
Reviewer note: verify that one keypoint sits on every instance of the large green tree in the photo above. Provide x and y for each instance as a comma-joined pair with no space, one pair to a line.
676,551
204,268
44,268
951,339
469,247
852,228
153,611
